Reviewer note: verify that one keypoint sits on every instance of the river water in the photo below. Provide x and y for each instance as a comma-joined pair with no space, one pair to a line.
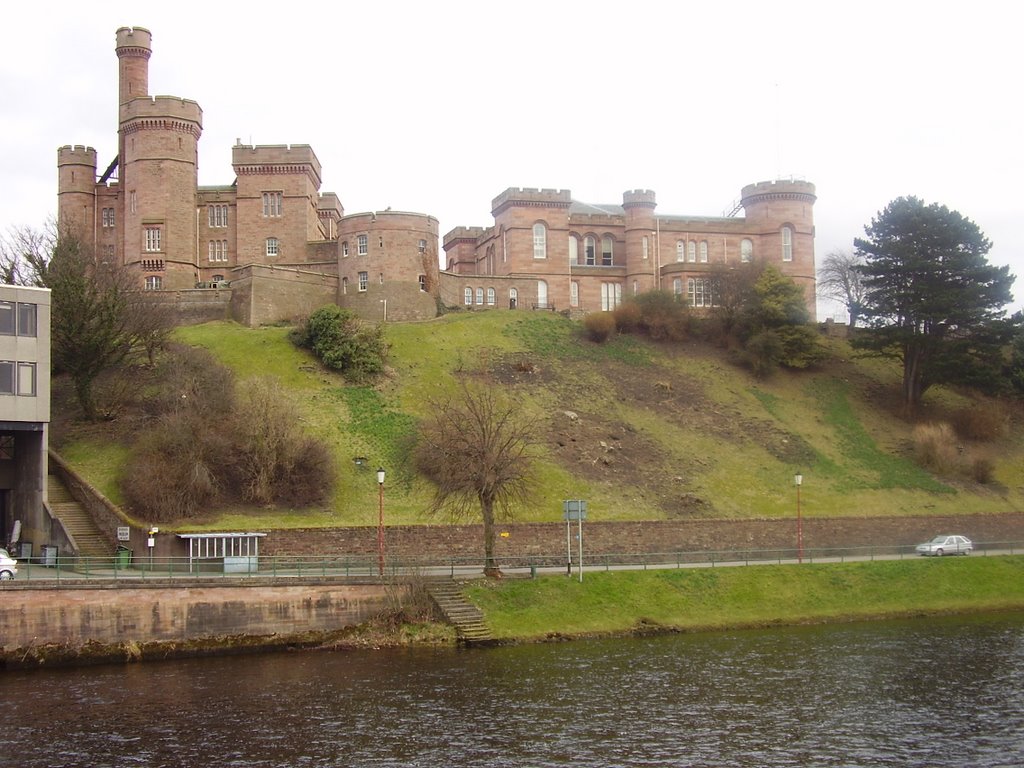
935,692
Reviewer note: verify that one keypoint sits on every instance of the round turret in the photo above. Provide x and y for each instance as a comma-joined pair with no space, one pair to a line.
641,240
134,47
76,186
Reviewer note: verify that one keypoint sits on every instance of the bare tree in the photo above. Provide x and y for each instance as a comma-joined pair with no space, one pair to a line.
24,255
477,448
839,278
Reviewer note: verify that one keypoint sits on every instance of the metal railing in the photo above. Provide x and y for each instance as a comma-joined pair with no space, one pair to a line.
127,570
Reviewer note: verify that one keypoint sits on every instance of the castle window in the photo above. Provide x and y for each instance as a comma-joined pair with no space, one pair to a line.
218,250
362,245
344,248
152,239
606,251
513,298
468,297
574,250
380,242
574,294
480,297
787,244
699,293
542,295
677,286
423,282
645,246
218,215
108,217
691,251
703,251
27,379
680,250
490,297
590,250
423,246
109,252
154,283
132,201
218,278
364,281
540,241
611,296
272,246
746,250
272,204
382,278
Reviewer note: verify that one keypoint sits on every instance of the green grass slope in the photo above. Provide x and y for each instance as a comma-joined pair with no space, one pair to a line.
640,430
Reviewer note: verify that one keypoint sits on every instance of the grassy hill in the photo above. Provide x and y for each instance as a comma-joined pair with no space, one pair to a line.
640,430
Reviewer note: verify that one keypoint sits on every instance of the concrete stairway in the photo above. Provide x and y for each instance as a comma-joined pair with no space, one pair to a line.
76,520
467,619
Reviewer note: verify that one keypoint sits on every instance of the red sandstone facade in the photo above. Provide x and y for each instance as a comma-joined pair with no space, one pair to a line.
272,231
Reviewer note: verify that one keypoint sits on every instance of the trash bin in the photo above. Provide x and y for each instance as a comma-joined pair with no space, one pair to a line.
48,556
122,558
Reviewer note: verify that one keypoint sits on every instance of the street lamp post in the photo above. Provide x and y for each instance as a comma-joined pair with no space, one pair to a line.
380,523
798,480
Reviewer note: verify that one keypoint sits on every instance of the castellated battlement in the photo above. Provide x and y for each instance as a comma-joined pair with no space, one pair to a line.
530,197
163,107
639,197
138,38
464,233
260,158
76,154
780,189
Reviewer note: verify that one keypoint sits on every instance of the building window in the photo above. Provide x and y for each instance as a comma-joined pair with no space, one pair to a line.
109,252
381,278
490,297
27,379
364,281
17,319
540,241
746,250
691,251
590,250
645,246
218,250
513,298
680,250
787,244
132,201
574,250
27,322
344,248
542,295
606,251
7,368
152,239
218,278
272,202
703,251
108,217
344,285
468,297
611,296
699,293
218,215
574,294
423,282
479,297
272,246
677,287
154,283
362,245
423,246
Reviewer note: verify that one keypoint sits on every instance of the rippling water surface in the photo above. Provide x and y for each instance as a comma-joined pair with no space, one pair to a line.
944,692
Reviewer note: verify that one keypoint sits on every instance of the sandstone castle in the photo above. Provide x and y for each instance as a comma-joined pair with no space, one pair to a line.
271,247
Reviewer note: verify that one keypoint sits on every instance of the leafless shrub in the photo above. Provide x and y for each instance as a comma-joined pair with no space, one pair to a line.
599,326
985,420
935,447
983,470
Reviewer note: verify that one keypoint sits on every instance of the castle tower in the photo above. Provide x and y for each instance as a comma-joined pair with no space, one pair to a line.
76,190
780,217
158,140
641,236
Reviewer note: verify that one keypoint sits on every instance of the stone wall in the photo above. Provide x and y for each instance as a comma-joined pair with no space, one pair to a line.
75,617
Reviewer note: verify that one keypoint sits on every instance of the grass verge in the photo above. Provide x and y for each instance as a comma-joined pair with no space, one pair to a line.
695,599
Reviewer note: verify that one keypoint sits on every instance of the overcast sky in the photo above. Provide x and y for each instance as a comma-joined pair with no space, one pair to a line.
438,107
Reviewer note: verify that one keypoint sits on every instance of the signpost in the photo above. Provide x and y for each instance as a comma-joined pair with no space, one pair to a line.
574,509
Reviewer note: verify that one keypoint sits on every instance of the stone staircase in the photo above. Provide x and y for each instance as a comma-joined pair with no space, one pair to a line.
467,619
76,521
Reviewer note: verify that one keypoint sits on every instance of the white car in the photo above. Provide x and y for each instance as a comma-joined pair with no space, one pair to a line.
8,566
946,545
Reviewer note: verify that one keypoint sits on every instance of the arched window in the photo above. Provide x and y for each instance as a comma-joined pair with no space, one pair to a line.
344,285
574,250
480,297
680,250
542,295
703,251
574,294
746,250
540,241
490,297
677,286
590,250
787,244
468,296
513,298
645,246
606,251
691,251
